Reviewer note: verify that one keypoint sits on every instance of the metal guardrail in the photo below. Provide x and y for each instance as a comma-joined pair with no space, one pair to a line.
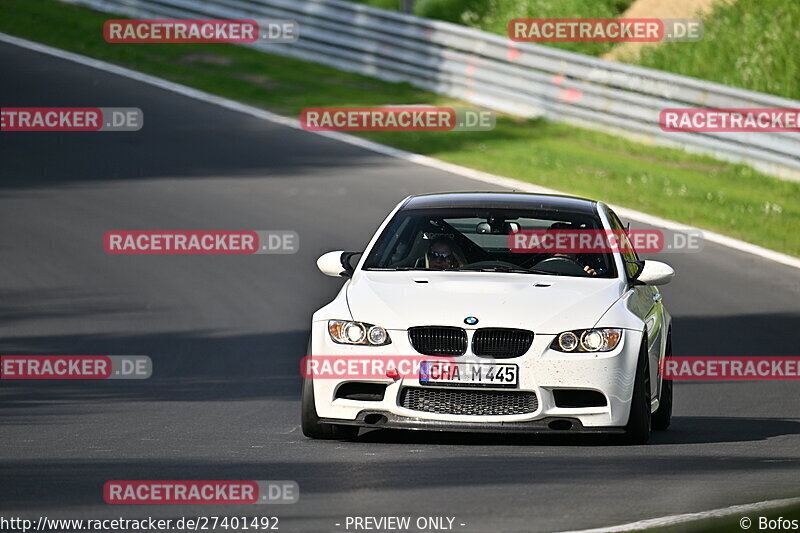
488,70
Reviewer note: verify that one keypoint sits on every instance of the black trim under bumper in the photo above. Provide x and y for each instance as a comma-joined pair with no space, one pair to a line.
551,425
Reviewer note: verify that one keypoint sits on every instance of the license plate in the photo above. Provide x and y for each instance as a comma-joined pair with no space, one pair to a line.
468,374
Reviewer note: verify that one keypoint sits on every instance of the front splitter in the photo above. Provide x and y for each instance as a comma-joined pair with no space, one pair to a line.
550,425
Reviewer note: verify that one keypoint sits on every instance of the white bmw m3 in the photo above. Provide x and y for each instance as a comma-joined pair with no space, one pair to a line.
443,324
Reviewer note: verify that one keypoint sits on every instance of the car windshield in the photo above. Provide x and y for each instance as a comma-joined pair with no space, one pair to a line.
482,240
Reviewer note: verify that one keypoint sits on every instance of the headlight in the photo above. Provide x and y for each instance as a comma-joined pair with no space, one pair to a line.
587,340
568,341
351,332
377,335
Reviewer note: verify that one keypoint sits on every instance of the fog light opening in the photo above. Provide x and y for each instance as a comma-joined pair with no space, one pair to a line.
560,425
375,419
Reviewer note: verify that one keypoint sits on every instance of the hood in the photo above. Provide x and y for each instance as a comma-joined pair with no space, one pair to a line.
543,304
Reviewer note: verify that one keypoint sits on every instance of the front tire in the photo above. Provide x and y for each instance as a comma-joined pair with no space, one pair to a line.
309,420
663,416
637,431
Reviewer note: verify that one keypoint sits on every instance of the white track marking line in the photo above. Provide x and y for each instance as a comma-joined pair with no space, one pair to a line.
692,517
418,159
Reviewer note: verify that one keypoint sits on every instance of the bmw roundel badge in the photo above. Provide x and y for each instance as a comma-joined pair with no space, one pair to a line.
470,321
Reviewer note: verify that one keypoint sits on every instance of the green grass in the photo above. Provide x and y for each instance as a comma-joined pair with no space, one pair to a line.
747,44
728,198
493,15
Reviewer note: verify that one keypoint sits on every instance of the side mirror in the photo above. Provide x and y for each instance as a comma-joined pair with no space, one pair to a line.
337,264
655,273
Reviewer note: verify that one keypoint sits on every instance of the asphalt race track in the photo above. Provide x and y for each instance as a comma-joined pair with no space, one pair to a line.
225,334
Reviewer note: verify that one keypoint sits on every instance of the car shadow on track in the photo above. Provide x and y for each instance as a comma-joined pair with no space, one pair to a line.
712,429
684,430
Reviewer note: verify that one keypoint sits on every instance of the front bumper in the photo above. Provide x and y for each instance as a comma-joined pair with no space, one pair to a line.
541,370
388,420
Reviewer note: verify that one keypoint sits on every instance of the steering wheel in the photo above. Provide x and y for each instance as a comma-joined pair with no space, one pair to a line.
561,265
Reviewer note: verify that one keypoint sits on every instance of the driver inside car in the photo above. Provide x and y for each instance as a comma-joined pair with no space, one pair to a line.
574,256
443,254
586,268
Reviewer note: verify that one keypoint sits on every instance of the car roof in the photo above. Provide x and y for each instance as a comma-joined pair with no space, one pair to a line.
501,200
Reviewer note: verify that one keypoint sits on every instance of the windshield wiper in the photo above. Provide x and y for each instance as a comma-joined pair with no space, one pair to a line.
546,273
505,269
465,269
391,269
